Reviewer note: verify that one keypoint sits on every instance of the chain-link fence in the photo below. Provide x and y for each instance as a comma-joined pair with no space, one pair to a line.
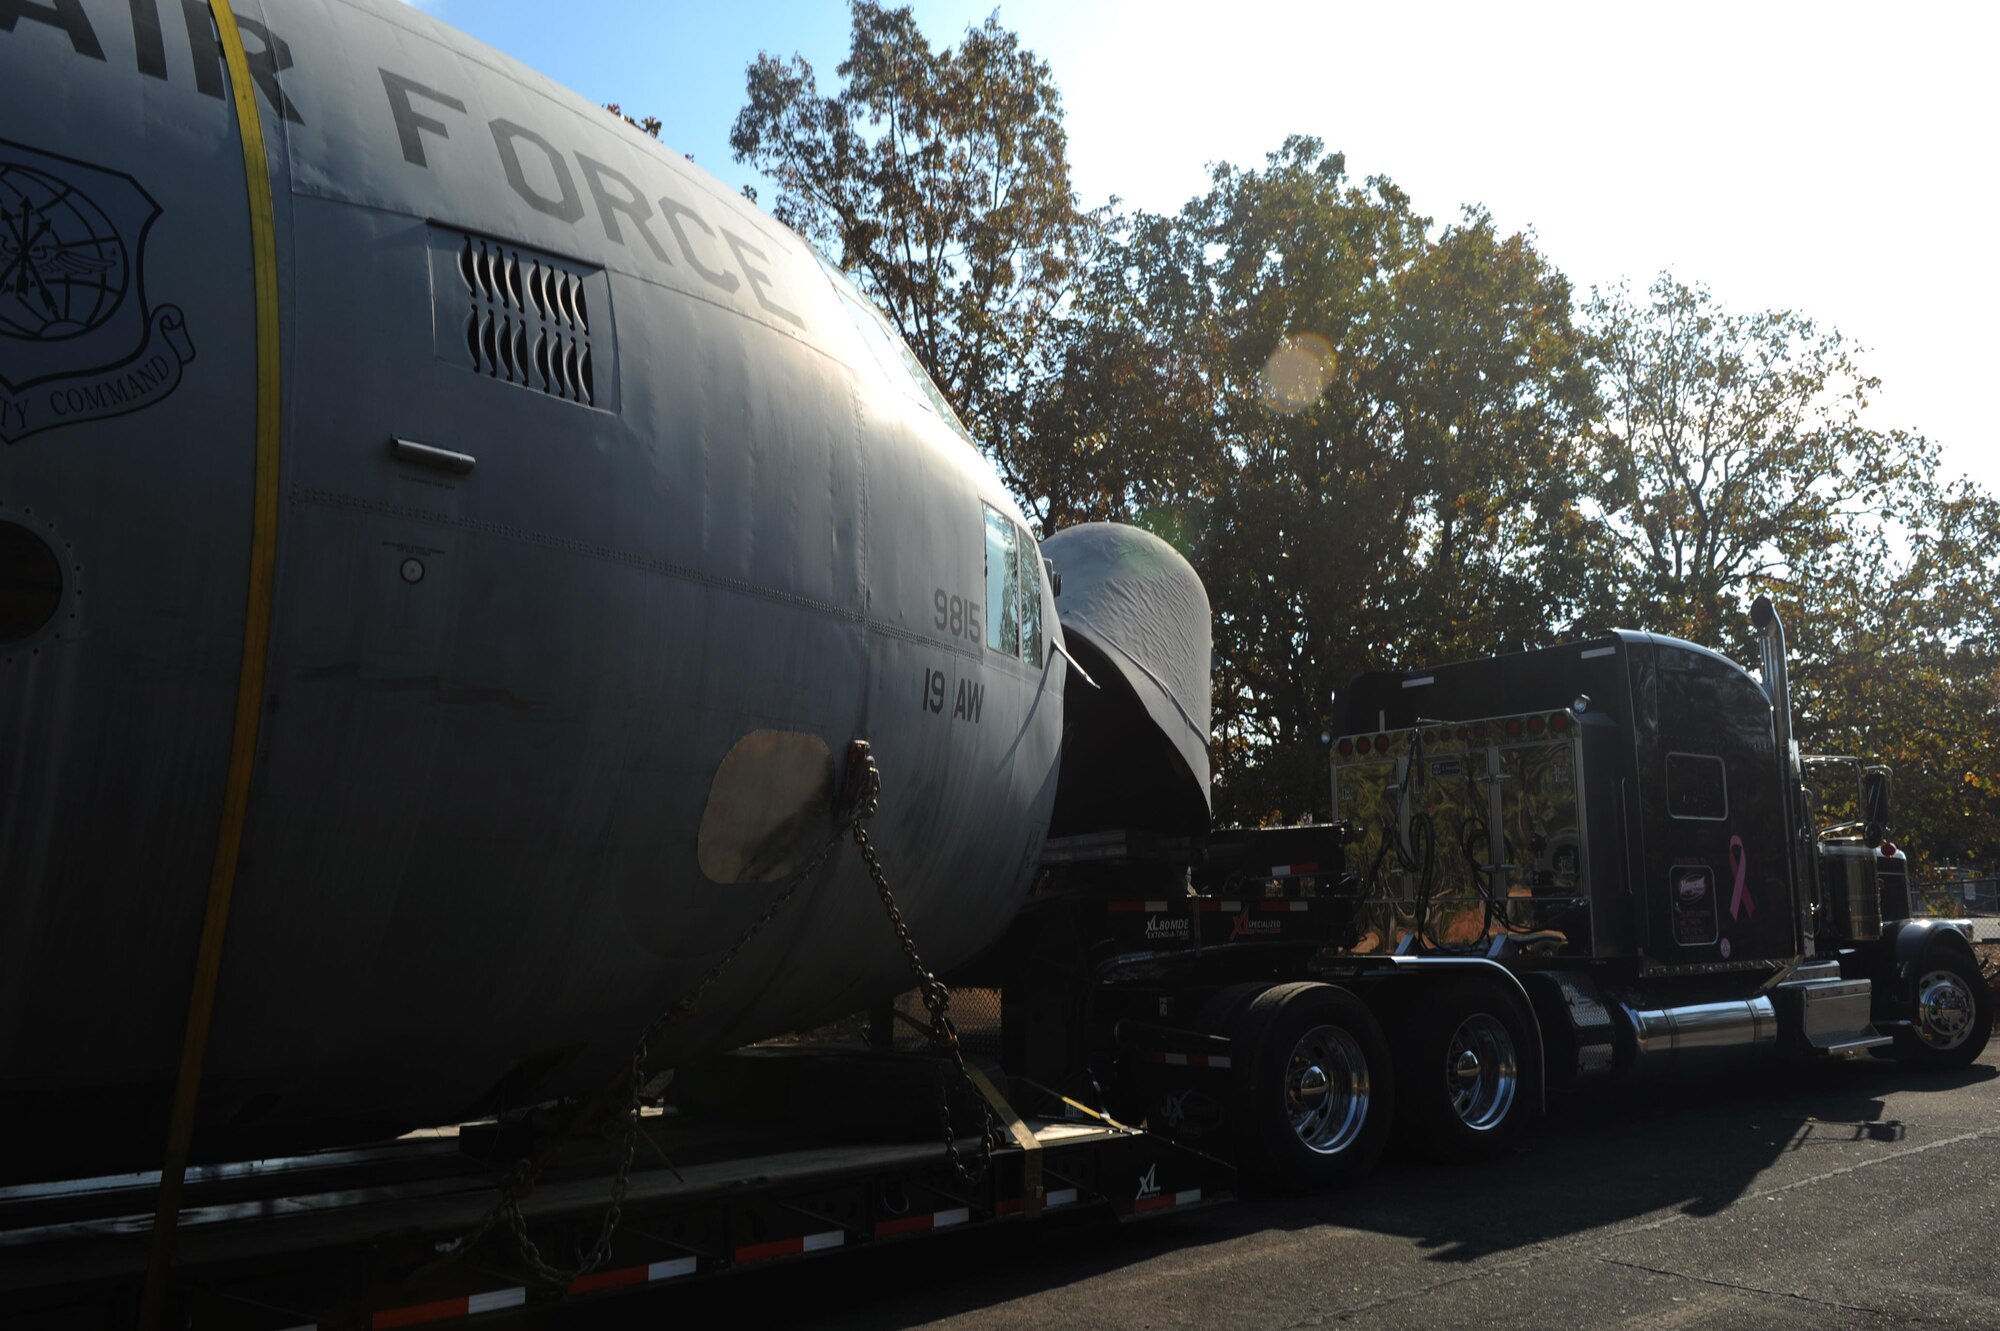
1974,899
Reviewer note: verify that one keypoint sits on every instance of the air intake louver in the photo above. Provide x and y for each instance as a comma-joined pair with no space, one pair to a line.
526,317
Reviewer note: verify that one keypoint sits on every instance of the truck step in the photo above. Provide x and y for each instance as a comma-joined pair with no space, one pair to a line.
1851,1048
1822,1014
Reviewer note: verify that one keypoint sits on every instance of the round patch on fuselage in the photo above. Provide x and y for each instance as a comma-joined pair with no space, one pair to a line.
770,805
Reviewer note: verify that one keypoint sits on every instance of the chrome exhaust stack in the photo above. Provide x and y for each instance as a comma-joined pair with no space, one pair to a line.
1791,775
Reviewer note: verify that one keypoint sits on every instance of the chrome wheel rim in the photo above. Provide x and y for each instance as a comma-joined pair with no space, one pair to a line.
1481,1072
1327,1089
1944,1010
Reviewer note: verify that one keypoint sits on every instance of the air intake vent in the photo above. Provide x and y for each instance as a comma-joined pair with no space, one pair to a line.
522,316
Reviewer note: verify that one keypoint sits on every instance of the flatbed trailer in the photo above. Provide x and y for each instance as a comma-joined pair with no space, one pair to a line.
365,1237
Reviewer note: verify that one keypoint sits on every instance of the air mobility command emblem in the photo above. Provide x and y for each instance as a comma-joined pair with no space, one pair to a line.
77,339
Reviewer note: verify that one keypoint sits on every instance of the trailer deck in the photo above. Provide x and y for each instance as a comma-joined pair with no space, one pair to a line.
357,1237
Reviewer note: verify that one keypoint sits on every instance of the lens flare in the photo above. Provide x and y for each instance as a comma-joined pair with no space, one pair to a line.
1297,373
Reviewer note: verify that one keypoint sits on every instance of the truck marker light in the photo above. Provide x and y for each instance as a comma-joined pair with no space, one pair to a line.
1381,744
1346,748
1560,723
1513,727
1536,725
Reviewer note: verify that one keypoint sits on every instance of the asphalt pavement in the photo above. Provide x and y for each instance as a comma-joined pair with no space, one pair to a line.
1854,1195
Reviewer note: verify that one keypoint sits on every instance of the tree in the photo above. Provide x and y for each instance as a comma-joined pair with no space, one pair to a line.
650,126
1898,661
1731,453
1732,460
939,180
1358,426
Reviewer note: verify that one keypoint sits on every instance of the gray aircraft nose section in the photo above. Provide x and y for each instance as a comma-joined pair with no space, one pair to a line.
1130,596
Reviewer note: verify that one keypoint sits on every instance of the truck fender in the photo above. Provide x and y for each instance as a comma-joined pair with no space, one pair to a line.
1910,939
1414,965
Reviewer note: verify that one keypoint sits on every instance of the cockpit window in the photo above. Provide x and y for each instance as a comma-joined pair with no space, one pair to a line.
890,351
1031,600
1003,575
1013,589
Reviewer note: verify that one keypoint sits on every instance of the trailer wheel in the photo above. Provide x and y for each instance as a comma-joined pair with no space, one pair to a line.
1469,1072
1950,1011
1313,1094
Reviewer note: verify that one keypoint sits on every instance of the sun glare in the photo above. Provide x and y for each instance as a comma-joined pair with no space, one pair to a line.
1297,373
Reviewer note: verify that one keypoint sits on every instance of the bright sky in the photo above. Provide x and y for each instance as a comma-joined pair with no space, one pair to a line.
1831,159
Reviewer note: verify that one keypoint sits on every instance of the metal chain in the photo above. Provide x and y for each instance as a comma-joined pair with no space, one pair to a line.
861,799
936,997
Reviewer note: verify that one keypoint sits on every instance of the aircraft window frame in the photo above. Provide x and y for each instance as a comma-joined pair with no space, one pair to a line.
1003,625
1029,615
890,352
1719,786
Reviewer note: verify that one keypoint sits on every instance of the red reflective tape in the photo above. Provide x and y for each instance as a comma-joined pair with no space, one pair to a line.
419,1313
629,1275
957,1215
1208,905
1165,1200
1125,907
1274,907
1009,1206
758,1252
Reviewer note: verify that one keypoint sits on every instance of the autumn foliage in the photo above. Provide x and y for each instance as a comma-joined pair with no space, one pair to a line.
1385,439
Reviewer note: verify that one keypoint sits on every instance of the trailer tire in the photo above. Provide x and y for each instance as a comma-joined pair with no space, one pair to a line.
1950,1009
1313,1090
1469,1067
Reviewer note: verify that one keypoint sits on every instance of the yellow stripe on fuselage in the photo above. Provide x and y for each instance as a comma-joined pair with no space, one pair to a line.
256,641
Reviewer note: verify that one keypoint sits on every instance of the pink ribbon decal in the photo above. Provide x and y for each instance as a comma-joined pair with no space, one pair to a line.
1739,901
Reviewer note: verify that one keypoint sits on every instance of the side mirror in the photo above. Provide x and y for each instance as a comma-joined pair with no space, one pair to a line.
1874,805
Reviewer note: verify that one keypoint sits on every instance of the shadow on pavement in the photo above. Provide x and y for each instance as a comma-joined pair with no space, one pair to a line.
1693,1146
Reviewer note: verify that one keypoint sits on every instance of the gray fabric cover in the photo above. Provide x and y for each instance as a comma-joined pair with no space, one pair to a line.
1133,597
